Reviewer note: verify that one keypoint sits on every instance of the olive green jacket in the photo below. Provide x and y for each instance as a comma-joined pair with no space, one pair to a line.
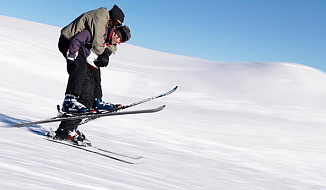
95,22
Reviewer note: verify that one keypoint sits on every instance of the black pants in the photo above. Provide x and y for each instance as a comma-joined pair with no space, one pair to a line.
86,97
78,70
83,82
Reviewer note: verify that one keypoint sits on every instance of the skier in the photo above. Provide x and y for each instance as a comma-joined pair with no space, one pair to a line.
84,77
95,22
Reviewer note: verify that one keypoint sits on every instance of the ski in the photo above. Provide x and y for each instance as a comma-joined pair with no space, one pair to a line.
51,136
90,116
92,151
84,121
148,99
116,153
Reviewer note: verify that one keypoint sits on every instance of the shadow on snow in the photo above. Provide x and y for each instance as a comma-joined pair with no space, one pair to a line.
36,129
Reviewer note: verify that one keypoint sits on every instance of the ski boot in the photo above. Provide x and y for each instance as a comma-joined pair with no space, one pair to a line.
100,105
78,138
59,134
71,105
75,137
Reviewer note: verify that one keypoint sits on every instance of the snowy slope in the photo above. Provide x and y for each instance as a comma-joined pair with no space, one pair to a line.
235,126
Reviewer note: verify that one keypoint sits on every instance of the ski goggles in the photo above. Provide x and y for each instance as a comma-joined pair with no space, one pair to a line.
116,22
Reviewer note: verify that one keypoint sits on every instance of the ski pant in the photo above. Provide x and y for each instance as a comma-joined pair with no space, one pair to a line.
83,82
86,97
78,70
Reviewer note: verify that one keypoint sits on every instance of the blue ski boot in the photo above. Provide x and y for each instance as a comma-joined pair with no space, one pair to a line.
71,105
100,105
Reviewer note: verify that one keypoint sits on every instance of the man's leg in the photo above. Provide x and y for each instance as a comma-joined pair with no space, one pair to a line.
97,81
77,72
86,97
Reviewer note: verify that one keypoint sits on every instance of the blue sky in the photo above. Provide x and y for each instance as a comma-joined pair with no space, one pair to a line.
218,30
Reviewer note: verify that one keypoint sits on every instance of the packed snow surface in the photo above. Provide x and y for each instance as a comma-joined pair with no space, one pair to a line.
231,126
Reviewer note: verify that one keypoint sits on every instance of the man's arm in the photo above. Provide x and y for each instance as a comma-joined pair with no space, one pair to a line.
103,59
97,25
77,41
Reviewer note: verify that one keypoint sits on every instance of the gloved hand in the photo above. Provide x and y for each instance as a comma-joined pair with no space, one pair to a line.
91,58
103,59
69,62
69,65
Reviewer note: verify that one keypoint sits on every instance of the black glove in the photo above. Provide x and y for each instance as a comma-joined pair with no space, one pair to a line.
103,59
69,65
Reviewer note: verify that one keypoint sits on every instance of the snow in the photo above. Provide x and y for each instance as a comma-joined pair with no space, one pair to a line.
235,126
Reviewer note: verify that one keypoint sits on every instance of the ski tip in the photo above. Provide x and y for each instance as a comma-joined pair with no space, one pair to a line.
161,107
